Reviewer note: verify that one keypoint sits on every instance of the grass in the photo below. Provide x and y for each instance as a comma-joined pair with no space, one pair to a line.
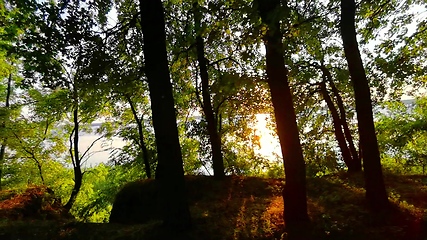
252,208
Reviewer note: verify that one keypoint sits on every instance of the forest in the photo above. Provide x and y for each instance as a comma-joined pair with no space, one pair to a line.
213,119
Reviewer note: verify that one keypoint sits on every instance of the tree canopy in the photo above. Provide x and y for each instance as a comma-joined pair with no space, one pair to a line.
180,85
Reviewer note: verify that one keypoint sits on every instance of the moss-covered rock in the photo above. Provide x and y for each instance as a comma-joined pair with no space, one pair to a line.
139,201
136,202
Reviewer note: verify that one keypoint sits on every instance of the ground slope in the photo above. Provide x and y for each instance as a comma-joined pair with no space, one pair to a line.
252,208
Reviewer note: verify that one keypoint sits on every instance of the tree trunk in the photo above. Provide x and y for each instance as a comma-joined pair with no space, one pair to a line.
2,153
142,145
78,175
354,164
294,193
3,126
375,189
343,117
176,214
339,135
215,140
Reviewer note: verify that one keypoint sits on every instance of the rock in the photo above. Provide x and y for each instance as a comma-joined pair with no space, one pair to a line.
137,202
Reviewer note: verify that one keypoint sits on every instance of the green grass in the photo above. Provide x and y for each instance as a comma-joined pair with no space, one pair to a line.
252,208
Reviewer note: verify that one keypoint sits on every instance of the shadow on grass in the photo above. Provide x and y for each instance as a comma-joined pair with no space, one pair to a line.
252,208
231,208
337,206
236,208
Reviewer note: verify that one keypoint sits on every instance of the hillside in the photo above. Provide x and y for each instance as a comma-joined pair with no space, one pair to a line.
252,208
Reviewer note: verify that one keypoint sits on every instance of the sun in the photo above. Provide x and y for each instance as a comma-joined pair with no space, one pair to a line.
269,143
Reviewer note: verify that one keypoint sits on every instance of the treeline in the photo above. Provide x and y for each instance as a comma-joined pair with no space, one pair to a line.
148,69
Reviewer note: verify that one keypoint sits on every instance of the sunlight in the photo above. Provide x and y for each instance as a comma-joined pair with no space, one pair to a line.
269,144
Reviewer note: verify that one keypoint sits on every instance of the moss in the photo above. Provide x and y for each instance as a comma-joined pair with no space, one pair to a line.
136,202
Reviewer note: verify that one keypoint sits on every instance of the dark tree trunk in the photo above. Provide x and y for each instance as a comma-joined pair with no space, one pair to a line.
170,175
39,167
3,126
2,153
142,145
353,163
78,174
214,137
339,135
375,189
294,193
343,117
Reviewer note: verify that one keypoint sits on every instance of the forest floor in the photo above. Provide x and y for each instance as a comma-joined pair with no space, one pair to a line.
244,208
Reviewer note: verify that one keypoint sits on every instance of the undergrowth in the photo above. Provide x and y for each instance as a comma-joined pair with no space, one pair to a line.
252,208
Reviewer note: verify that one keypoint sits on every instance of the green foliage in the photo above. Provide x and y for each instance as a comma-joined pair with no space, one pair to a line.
101,184
402,136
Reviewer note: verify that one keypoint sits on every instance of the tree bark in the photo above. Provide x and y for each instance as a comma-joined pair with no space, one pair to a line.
353,163
294,193
78,174
214,137
142,145
375,189
343,117
176,214
339,135
3,126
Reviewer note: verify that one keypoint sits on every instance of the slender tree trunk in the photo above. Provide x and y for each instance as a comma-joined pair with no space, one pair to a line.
142,145
347,133
214,137
375,189
39,167
176,214
294,193
78,174
339,135
353,163
3,126
2,153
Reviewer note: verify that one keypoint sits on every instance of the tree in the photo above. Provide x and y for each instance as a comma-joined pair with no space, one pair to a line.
35,135
3,124
215,140
341,128
141,142
294,193
339,135
375,189
9,35
401,135
176,213
128,86
62,51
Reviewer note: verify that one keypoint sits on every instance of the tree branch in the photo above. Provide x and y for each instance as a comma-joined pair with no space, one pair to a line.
91,145
71,147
